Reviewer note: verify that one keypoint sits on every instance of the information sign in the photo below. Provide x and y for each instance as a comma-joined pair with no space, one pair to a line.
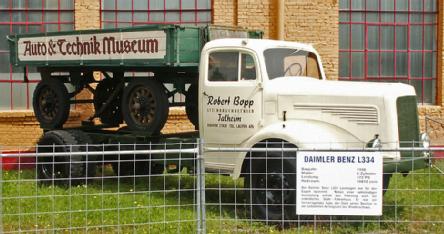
339,183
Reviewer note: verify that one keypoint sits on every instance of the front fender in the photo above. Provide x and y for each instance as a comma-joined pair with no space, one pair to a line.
305,134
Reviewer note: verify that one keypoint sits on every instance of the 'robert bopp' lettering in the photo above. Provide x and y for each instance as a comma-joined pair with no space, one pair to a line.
237,101
108,45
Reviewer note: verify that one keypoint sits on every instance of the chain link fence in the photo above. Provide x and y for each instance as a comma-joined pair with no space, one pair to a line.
171,188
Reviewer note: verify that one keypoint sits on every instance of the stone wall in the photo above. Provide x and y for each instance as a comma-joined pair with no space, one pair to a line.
431,121
308,21
87,16
315,22
20,128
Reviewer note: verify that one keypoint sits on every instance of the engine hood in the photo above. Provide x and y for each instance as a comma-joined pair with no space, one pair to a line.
364,109
309,86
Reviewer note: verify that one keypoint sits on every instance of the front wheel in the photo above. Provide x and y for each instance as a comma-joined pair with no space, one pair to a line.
271,186
51,103
68,169
112,115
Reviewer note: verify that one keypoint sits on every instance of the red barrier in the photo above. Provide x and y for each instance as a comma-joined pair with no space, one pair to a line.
17,162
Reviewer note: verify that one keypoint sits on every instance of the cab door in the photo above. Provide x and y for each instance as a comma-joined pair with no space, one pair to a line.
231,100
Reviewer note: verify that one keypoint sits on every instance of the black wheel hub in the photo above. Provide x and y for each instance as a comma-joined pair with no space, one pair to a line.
142,105
111,114
275,189
48,103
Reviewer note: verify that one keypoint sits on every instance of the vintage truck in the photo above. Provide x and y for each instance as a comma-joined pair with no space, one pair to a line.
241,91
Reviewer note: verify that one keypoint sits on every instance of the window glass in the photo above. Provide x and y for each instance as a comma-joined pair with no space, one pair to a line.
229,66
26,16
281,62
135,12
223,66
248,67
391,41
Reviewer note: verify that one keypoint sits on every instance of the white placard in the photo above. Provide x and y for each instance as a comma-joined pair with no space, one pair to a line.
97,46
339,183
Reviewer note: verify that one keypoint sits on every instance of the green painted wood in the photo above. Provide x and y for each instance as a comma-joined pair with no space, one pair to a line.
183,47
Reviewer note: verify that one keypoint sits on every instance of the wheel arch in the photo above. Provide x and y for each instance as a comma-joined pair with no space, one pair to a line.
276,143
301,134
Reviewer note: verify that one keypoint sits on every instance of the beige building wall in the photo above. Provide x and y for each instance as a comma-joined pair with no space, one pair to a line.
431,117
315,22
309,21
20,129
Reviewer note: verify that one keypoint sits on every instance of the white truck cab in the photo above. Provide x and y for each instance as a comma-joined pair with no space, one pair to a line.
254,90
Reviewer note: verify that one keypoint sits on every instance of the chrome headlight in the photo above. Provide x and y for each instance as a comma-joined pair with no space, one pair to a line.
425,140
375,142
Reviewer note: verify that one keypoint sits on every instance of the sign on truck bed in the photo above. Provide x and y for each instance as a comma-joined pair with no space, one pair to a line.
99,46
146,46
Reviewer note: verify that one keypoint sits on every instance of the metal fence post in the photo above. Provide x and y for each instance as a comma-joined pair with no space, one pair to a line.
201,213
1,190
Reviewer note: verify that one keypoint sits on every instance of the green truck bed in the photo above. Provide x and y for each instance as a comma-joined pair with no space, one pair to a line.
146,46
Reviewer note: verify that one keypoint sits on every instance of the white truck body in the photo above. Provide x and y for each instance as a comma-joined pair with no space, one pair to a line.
319,113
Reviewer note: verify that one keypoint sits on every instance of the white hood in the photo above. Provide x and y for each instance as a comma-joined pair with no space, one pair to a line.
361,108
310,86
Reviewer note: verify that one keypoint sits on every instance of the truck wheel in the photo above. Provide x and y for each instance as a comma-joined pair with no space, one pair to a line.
51,103
112,115
129,165
126,166
145,105
271,187
85,143
191,106
64,170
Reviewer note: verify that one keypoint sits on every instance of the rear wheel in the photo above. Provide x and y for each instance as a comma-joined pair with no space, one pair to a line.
138,164
127,166
191,106
112,115
66,169
145,105
51,103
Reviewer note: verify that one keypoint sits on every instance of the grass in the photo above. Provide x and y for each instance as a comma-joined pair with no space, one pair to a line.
413,204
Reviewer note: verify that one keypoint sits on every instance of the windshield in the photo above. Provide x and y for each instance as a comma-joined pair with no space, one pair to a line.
291,62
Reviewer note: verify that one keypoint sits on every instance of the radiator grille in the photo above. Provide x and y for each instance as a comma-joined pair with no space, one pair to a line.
408,124
362,115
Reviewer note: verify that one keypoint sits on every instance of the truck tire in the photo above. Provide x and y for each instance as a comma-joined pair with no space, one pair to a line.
271,187
51,103
139,165
191,107
126,166
145,105
112,115
64,170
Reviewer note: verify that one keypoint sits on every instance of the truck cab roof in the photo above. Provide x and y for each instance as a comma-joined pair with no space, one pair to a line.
258,44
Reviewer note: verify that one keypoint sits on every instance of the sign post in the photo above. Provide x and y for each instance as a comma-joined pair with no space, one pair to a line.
339,183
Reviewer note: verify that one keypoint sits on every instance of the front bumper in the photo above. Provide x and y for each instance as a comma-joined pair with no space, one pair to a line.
418,158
